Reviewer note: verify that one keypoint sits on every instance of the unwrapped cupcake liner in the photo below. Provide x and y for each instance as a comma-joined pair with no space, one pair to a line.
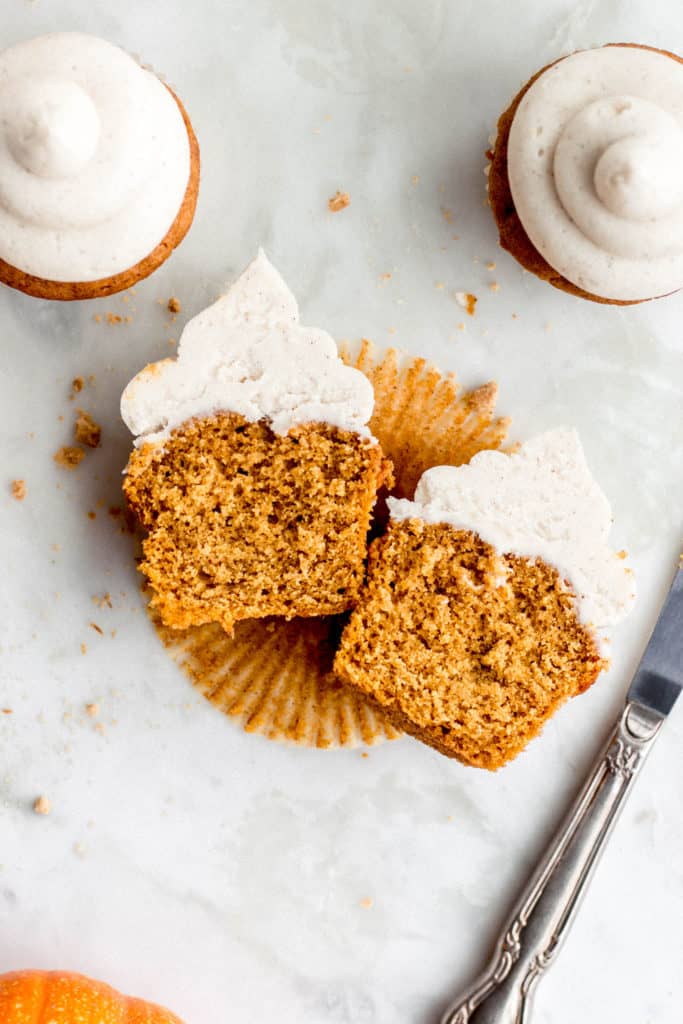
274,677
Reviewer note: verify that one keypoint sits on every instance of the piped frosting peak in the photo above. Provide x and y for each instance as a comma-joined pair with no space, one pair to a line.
248,353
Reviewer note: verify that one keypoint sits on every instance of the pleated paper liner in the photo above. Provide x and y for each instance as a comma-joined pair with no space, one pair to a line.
275,677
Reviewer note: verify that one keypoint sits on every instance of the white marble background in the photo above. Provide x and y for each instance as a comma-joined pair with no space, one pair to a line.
215,872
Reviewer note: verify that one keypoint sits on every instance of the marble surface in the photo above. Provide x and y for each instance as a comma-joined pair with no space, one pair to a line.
218,873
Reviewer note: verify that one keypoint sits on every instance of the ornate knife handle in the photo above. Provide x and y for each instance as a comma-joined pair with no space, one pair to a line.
534,932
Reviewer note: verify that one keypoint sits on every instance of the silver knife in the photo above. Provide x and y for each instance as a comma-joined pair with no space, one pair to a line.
534,932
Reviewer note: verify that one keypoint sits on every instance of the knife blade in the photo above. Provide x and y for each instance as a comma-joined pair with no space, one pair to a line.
659,677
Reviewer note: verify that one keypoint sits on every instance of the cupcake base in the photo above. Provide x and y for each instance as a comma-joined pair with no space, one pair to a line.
275,677
66,291
512,235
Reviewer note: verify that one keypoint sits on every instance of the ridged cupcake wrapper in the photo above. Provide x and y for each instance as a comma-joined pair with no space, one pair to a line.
275,677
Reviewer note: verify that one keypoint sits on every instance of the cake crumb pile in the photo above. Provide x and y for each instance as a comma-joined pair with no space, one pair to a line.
244,523
469,650
18,490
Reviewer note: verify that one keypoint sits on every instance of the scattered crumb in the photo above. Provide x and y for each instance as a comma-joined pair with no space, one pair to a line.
365,754
515,316
97,318
19,490
173,305
92,709
56,547
128,319
99,728
439,285
447,214
415,180
68,456
622,555
455,237
79,849
77,384
491,266
92,515
494,286
60,419
172,342
91,378
104,601
366,903
392,330
547,327
98,629
84,648
113,318
7,711
467,301
86,430
339,201
41,805
461,326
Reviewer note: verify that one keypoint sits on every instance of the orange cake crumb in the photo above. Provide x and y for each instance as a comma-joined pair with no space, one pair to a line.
86,430
173,305
113,318
92,710
469,650
467,301
19,489
77,384
339,201
41,805
68,456
245,523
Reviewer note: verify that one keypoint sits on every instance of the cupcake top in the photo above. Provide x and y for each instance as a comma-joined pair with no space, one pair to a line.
539,502
94,158
249,354
594,164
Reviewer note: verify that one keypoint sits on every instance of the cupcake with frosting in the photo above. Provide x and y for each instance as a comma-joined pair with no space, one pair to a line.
487,600
99,168
585,178
254,471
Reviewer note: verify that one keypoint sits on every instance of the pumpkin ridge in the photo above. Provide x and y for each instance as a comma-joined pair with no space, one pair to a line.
40,1004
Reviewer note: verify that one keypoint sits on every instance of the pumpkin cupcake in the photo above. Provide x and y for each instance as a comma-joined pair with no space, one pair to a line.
254,471
585,178
99,170
486,599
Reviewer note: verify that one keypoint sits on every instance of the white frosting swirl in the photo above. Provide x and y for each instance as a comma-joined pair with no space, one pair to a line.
540,502
595,160
249,354
94,158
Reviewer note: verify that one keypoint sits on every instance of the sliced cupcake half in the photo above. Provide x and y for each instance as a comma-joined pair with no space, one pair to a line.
486,600
254,471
